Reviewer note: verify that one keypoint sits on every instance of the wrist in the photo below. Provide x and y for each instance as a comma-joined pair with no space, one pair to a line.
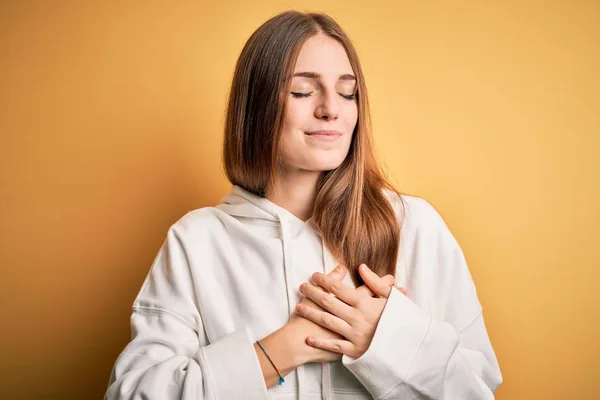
300,352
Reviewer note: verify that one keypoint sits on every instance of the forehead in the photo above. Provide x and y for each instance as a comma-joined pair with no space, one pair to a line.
324,55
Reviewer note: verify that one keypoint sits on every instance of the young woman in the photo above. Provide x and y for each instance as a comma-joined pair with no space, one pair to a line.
245,293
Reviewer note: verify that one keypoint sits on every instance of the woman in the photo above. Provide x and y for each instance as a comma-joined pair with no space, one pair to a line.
217,315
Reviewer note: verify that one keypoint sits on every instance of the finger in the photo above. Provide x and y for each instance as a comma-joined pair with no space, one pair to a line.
388,280
334,345
366,290
379,286
330,303
338,272
325,319
338,289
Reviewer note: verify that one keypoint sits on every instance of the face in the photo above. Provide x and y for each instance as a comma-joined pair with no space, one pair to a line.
321,110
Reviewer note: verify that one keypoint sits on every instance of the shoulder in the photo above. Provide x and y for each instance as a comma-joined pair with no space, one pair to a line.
422,226
415,213
198,222
431,255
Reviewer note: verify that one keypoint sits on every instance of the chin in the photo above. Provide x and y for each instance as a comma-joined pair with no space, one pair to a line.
326,165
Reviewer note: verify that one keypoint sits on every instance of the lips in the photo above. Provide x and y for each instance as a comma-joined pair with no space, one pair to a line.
330,134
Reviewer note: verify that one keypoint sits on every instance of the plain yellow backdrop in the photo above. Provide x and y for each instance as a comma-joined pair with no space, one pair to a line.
111,122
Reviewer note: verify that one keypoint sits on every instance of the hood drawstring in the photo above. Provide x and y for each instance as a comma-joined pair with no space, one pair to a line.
328,262
242,203
287,268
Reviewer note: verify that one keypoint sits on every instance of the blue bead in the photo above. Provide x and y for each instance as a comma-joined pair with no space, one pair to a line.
281,380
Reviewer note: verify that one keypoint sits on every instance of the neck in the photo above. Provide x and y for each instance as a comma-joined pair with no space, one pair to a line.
296,192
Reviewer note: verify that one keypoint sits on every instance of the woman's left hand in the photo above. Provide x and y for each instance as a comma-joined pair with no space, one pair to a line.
352,313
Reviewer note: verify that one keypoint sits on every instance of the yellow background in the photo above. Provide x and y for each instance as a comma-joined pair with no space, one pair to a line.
111,119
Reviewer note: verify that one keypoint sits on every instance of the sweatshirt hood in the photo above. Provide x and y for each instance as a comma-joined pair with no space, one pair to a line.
242,203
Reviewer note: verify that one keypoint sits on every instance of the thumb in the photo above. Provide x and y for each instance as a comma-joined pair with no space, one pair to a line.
379,286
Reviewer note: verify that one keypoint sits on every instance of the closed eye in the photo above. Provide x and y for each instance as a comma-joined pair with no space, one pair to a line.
300,95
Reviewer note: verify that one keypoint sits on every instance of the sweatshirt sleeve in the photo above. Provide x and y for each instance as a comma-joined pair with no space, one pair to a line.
416,356
168,356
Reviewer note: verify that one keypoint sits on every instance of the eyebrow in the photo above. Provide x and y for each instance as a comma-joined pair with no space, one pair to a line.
314,75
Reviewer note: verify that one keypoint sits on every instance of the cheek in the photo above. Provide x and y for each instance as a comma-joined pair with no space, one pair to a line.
351,117
297,114
354,114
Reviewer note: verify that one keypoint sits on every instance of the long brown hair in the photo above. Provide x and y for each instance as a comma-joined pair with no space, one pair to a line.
351,211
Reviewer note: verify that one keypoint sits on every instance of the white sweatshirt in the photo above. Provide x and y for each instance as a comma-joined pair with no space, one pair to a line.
227,276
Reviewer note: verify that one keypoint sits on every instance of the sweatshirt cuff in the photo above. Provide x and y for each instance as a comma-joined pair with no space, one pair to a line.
398,337
233,367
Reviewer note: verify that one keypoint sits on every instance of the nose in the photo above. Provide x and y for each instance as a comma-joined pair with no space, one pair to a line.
328,106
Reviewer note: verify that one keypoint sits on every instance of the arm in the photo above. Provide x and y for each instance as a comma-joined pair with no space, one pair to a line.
283,348
413,355
169,357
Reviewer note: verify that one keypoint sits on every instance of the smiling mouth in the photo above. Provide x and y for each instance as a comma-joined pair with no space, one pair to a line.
324,135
